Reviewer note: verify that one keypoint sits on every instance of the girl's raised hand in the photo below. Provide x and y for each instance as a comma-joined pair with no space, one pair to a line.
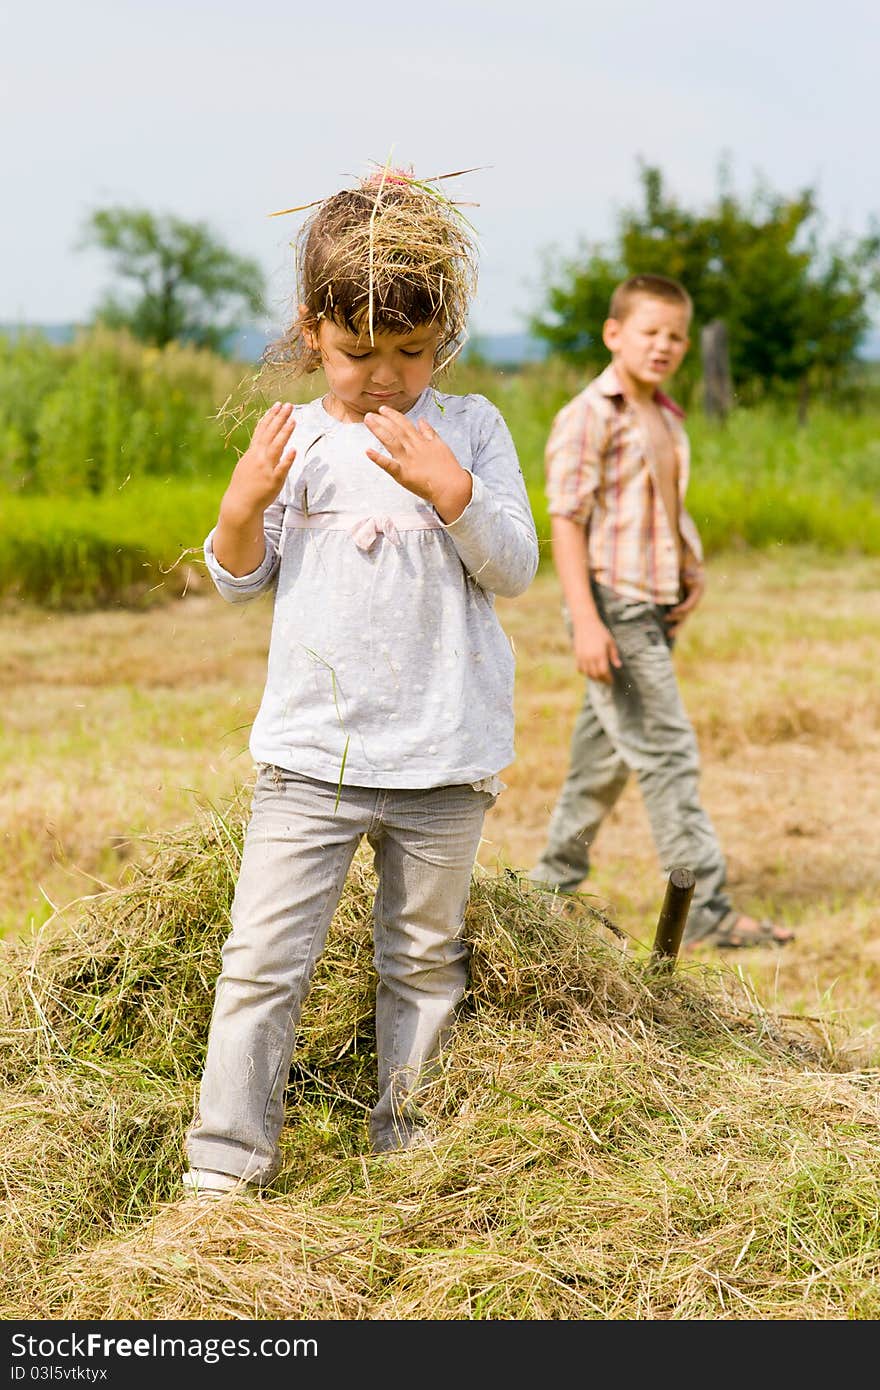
420,461
259,474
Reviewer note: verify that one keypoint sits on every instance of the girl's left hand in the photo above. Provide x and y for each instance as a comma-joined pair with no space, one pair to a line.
420,461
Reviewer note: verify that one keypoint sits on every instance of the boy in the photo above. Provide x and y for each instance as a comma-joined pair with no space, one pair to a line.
629,561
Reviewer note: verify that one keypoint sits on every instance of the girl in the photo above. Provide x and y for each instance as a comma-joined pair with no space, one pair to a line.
386,516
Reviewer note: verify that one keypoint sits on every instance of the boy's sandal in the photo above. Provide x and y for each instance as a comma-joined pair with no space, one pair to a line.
729,934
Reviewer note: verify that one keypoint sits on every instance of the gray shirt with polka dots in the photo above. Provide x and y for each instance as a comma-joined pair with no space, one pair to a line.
388,666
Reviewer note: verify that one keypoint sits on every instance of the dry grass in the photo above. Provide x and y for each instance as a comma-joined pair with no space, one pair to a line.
778,670
615,1142
387,256
120,724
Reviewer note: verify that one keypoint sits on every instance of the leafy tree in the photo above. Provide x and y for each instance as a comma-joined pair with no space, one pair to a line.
188,286
795,309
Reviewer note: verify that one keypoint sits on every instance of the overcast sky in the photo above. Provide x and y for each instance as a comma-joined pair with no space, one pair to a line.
223,113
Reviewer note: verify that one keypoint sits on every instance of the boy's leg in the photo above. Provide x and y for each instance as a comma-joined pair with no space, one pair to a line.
644,716
596,776
297,853
425,849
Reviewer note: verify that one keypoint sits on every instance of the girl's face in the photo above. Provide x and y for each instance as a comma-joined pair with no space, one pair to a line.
393,369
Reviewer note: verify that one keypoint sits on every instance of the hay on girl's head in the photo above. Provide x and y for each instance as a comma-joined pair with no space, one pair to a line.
388,256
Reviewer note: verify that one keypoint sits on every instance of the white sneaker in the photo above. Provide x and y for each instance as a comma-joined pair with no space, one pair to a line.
204,1182
420,1138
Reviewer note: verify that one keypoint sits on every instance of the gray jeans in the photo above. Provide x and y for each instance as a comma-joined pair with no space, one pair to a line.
637,724
298,849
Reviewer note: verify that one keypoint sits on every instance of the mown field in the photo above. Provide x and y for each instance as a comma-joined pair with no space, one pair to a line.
614,1143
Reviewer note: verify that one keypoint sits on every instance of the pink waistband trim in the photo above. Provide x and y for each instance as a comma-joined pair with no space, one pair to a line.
364,530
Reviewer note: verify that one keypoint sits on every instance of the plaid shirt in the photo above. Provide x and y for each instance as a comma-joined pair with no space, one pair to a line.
599,470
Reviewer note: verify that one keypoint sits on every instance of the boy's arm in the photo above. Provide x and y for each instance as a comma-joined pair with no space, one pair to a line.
693,575
693,586
573,468
595,650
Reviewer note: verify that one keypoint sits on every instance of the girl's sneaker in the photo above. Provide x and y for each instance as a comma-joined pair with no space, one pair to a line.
204,1182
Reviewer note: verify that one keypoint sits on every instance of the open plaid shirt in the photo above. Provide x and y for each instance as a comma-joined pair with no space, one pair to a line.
600,471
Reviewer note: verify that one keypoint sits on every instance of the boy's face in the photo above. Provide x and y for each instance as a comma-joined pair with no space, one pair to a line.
393,369
651,341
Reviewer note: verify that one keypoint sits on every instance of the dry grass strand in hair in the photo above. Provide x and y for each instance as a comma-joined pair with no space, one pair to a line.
390,255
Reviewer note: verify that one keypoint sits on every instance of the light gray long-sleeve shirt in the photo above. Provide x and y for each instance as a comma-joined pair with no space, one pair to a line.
388,666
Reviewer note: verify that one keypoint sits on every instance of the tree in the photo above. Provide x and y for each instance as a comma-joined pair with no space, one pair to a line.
793,308
188,285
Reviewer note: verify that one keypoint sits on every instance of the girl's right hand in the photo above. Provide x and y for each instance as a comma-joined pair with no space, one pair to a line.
259,475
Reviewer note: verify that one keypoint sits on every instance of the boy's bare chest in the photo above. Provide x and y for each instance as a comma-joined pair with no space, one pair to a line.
660,445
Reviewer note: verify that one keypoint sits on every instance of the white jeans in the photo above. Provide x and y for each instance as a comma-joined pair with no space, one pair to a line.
298,849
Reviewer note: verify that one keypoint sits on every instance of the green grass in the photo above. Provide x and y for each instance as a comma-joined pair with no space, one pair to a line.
88,417
113,461
761,480
132,545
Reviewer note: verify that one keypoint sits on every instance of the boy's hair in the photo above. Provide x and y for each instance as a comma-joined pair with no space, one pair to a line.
388,256
636,287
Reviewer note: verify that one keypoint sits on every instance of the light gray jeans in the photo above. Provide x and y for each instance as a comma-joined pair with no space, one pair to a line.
637,724
298,849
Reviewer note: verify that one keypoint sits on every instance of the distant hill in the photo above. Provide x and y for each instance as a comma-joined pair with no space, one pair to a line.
59,333
498,349
505,349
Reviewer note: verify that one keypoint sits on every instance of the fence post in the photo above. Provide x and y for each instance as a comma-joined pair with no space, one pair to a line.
673,915
717,385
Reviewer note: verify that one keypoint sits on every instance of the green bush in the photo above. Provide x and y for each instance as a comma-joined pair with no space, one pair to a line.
113,458
140,545
762,480
87,417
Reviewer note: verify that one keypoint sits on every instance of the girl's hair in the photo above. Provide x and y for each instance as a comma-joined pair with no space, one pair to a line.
388,256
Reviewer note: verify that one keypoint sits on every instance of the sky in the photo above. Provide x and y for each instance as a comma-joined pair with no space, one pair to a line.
223,113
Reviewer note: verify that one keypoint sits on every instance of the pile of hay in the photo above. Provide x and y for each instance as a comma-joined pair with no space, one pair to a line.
614,1141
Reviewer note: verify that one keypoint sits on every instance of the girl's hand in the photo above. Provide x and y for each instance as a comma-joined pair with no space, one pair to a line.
420,461
259,474
257,479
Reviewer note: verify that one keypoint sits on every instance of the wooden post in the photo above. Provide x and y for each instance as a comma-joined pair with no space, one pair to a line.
803,405
717,383
673,915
